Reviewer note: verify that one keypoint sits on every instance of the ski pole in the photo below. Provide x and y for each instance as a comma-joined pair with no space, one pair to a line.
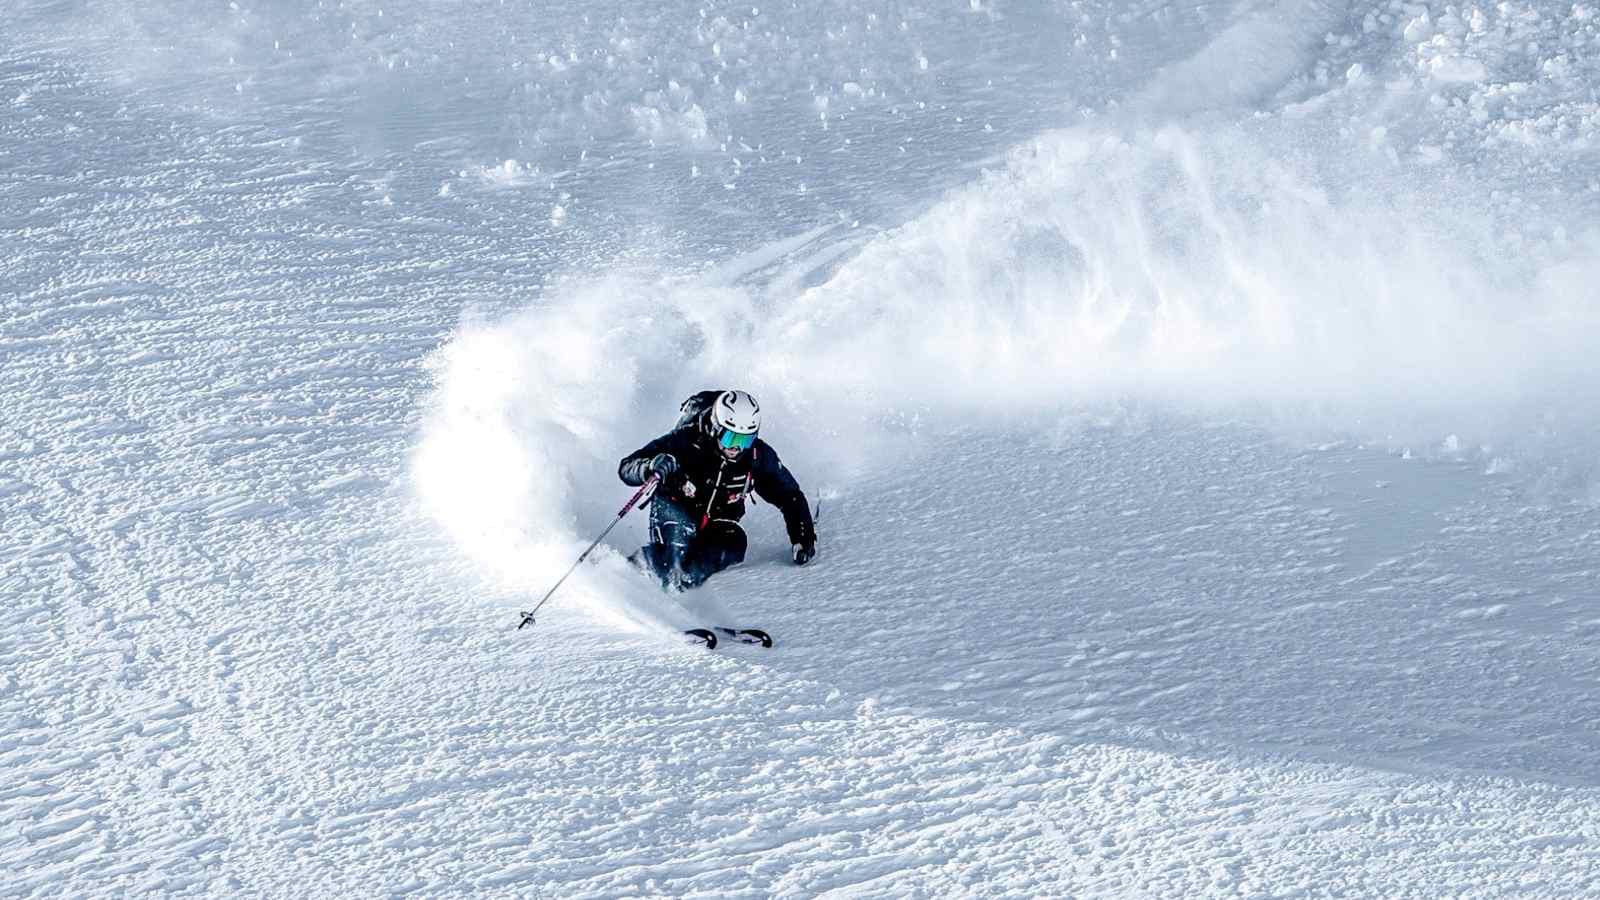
640,497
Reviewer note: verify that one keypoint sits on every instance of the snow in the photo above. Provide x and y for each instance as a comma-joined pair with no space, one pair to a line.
1200,399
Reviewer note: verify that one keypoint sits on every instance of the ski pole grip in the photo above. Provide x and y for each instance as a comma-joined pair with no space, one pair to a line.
641,496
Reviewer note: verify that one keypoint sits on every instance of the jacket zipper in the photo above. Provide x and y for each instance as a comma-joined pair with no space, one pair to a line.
711,501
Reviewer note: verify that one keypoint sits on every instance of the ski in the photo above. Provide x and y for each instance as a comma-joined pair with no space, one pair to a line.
707,637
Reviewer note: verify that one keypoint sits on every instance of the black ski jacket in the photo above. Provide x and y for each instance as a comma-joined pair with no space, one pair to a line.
721,485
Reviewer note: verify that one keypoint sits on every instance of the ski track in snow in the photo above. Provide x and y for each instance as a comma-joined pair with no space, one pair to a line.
1107,652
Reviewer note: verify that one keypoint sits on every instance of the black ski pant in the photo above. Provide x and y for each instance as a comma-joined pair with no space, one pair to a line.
683,554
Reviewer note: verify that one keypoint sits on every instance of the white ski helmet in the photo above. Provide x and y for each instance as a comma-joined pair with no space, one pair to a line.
735,411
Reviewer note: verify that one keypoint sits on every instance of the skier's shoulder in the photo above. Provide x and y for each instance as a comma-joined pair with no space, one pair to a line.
671,442
763,457
684,437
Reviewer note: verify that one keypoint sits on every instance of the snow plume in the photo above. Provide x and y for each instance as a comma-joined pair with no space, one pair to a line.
507,433
1206,272
1190,273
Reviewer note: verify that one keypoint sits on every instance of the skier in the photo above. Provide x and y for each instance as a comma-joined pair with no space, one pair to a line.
708,464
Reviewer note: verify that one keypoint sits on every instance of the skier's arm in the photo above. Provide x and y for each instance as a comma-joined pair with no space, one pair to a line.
635,467
775,484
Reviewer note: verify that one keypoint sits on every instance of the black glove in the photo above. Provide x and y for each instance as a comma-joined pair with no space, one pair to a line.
664,466
804,553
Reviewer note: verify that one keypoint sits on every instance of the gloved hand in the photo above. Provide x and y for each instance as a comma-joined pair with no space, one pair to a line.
664,466
804,553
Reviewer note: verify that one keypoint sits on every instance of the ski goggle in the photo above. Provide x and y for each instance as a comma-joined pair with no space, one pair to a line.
733,439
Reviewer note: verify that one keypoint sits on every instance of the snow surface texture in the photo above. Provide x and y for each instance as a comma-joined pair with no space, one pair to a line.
1202,400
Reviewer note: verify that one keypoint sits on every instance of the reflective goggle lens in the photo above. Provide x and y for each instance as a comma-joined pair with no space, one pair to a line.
732,439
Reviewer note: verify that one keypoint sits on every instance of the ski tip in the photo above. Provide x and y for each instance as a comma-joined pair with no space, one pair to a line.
703,637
